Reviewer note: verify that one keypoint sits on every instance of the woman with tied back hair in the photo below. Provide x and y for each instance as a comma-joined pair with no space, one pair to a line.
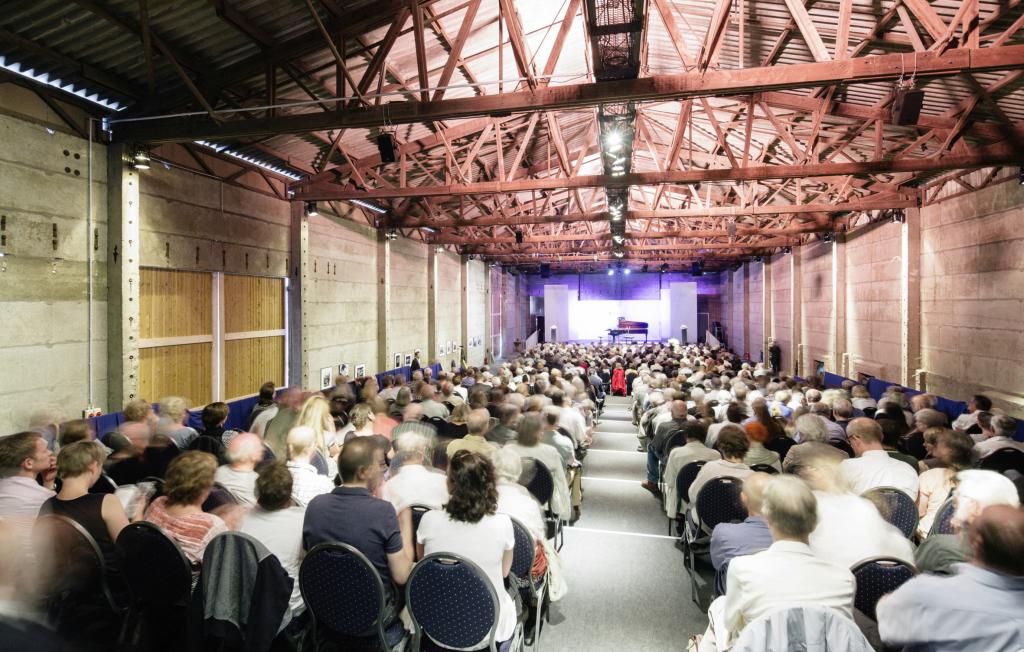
953,449
776,439
469,526
757,434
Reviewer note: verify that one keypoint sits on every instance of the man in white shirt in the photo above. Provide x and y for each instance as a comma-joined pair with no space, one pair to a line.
978,403
873,467
570,418
307,483
238,476
787,574
413,483
1003,429
849,529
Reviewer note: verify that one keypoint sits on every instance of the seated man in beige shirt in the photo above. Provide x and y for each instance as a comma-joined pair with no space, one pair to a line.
477,424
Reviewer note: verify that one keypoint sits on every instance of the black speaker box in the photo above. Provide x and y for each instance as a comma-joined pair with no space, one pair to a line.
906,106
386,147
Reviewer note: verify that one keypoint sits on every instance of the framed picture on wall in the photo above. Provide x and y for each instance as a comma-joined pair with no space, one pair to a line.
343,369
360,371
450,347
408,359
398,360
326,377
440,350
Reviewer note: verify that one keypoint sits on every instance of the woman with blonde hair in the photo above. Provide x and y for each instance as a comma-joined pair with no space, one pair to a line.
316,414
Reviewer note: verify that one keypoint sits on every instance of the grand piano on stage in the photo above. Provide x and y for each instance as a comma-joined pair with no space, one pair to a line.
627,327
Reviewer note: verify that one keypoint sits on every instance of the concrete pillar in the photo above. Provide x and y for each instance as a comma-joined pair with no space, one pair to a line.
463,352
123,279
747,349
298,285
767,306
489,316
432,289
795,316
383,301
840,364
910,299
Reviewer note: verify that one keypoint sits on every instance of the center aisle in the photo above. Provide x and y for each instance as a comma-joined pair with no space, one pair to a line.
628,589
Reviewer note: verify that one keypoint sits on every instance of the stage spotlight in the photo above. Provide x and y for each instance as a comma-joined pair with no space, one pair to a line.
664,267
758,259
625,271
391,234
611,272
787,250
140,158
898,216
828,237
618,254
311,210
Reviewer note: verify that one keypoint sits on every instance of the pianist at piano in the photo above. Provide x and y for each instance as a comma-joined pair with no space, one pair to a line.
628,329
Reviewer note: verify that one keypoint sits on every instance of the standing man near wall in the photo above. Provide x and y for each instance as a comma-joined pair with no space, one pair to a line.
774,355
415,360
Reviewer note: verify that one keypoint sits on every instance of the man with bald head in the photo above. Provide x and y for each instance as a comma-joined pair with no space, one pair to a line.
656,453
979,607
873,467
239,475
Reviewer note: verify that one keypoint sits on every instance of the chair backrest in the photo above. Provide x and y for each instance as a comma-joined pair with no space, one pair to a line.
675,440
685,478
943,523
537,478
809,628
877,577
764,468
843,446
417,511
1004,459
219,497
342,589
155,568
76,568
443,584
719,502
523,553
902,508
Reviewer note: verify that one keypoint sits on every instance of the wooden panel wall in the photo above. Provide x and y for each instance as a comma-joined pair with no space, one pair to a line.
251,362
182,370
253,303
174,304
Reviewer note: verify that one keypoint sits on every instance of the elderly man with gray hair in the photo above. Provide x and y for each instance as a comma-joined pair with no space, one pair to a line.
787,574
1003,428
413,481
239,475
812,433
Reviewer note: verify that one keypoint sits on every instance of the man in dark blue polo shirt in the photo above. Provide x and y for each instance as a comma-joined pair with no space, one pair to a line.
350,514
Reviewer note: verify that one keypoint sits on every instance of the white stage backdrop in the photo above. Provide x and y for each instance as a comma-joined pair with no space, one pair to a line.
590,320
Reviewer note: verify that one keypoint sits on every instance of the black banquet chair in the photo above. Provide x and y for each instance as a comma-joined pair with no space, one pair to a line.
1002,460
523,557
160,579
537,479
877,577
684,479
417,511
718,502
943,523
78,600
345,597
443,584
902,508
675,440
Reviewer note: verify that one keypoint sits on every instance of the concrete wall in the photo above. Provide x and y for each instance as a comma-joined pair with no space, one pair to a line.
873,300
44,304
449,304
755,328
736,316
341,308
780,305
191,221
972,296
816,303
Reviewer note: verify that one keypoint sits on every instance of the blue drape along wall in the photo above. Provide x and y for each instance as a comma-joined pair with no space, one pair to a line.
876,388
239,409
